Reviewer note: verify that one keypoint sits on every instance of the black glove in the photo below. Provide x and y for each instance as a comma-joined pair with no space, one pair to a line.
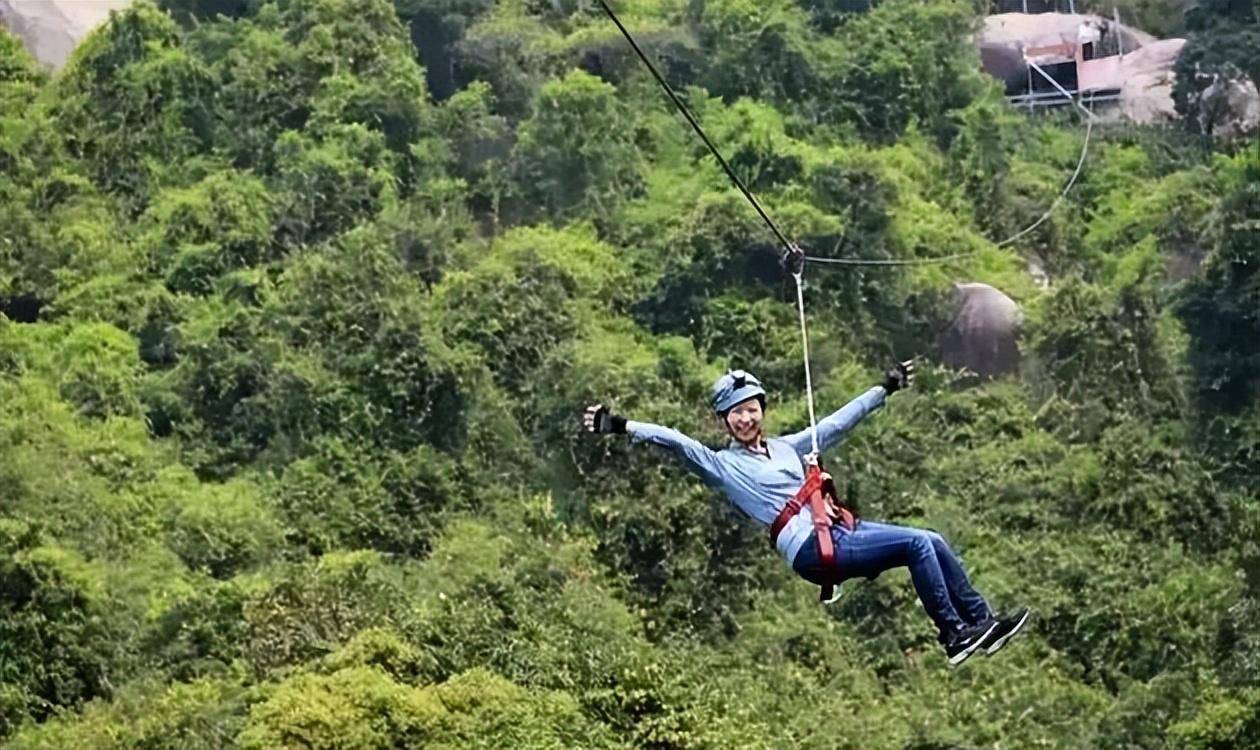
600,421
899,377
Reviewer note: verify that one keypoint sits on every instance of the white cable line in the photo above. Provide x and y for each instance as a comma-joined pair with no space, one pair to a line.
887,262
1080,164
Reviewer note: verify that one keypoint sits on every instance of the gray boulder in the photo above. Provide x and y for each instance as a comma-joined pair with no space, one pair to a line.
982,337
51,29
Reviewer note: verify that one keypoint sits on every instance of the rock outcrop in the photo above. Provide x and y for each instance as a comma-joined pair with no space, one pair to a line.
52,28
983,337
1101,55
1146,82
1045,29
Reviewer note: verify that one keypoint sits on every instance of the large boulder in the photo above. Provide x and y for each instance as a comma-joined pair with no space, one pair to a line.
1021,30
982,337
52,28
1146,82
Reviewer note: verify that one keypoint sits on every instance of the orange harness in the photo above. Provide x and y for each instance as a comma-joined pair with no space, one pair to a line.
819,491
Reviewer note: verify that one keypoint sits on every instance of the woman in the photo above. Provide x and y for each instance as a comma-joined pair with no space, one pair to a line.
761,476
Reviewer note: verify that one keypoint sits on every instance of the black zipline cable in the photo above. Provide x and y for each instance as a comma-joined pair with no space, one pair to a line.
789,248
791,251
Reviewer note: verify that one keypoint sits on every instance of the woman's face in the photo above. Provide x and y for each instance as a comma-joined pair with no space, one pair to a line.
743,421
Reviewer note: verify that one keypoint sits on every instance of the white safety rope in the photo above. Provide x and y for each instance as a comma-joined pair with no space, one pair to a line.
812,458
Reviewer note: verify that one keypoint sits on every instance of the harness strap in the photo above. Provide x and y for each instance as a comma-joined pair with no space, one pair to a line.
819,492
813,481
826,550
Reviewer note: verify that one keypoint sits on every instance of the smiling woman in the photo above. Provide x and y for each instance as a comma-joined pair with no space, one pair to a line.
744,424
777,482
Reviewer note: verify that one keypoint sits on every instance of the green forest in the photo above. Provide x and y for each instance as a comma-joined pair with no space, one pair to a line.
301,302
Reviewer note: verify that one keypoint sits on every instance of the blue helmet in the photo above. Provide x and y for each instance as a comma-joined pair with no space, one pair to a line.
735,387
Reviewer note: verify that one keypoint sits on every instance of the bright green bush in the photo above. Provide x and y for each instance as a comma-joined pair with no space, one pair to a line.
57,647
302,610
99,367
363,708
198,234
133,104
346,498
223,529
1227,721
200,715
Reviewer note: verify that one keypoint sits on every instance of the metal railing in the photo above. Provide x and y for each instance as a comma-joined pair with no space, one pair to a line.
1033,6
1057,99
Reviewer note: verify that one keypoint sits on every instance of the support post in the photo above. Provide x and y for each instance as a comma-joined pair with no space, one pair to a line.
1115,13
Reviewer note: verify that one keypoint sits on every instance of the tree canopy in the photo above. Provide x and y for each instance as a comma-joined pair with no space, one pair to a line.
300,302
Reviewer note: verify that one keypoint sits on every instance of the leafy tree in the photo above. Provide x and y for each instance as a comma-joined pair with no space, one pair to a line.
437,27
577,155
300,609
1219,308
1226,721
222,529
329,185
902,62
566,273
99,370
480,142
759,50
53,215
718,244
360,352
315,66
203,714
754,142
198,234
19,73
57,647
133,104
514,52
828,15
347,498
361,707
982,151
188,11
1104,350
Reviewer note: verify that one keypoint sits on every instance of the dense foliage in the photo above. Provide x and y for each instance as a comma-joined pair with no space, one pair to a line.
300,301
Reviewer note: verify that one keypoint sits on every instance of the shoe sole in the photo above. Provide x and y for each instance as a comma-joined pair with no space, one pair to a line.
999,643
961,656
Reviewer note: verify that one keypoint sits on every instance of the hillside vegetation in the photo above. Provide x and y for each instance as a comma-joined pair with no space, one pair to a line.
300,301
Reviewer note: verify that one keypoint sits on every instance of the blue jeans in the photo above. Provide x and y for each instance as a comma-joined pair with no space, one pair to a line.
872,548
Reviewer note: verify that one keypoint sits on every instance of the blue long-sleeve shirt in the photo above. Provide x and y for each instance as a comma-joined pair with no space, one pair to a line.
757,483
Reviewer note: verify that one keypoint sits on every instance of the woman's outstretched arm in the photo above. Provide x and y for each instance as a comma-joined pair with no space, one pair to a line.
837,424
699,459
832,428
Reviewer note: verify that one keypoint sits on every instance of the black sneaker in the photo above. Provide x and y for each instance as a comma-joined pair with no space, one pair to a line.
964,642
1006,628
